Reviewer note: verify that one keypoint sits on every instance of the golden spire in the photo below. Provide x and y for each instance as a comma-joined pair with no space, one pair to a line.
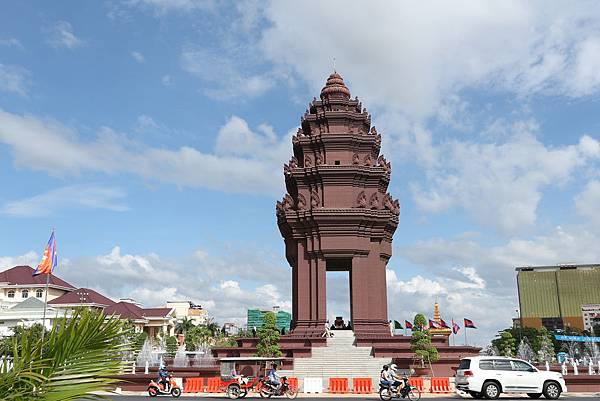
436,312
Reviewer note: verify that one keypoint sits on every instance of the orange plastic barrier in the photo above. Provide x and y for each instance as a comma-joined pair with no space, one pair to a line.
213,385
440,385
338,385
194,385
292,382
417,382
362,385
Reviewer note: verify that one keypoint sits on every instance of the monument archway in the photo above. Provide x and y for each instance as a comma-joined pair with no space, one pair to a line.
337,214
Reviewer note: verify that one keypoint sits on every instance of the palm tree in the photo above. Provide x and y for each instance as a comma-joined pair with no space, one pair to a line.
78,357
184,325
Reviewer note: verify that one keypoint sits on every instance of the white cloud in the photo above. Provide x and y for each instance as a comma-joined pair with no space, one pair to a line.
31,258
587,202
11,42
61,35
139,57
14,79
433,51
67,198
500,184
145,123
166,80
162,7
46,145
224,75
217,283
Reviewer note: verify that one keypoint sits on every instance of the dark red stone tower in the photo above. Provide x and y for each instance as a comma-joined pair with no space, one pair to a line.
337,214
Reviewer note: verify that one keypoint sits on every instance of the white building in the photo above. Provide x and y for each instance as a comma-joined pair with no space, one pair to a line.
18,284
591,316
187,309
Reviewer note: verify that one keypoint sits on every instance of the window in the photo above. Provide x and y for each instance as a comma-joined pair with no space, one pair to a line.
11,293
502,364
337,163
521,366
465,364
486,364
24,293
39,293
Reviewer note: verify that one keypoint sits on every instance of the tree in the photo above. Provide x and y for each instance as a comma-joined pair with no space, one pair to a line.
75,360
184,325
171,346
506,344
197,337
546,352
420,341
268,337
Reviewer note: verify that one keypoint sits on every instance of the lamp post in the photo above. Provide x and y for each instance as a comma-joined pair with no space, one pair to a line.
520,324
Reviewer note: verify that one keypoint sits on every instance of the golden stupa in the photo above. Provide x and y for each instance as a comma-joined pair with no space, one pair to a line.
437,318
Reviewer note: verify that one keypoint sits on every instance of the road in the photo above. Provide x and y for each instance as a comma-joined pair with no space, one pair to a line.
578,397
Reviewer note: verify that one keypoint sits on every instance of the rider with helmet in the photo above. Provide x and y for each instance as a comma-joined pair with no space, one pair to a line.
163,377
395,379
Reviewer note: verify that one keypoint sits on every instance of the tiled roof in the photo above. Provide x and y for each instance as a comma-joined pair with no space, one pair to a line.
156,312
82,296
128,310
23,275
125,310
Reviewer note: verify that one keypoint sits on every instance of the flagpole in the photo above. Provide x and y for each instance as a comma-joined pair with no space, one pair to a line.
465,334
45,305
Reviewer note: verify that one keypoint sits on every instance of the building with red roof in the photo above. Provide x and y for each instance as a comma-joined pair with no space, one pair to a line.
18,284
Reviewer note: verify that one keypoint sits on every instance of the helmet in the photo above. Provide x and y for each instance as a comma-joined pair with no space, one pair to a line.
385,367
393,366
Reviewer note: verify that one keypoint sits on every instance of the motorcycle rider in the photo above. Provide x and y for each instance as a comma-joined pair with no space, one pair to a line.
396,382
274,379
163,377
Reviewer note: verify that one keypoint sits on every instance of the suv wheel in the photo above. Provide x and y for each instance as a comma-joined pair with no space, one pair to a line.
552,390
491,390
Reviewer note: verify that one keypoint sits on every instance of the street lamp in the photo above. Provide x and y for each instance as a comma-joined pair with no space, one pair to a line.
520,324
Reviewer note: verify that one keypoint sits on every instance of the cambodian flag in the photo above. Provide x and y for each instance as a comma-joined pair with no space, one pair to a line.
469,324
49,259
455,327
408,324
443,324
434,325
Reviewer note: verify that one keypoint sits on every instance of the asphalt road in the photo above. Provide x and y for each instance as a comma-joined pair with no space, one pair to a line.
579,397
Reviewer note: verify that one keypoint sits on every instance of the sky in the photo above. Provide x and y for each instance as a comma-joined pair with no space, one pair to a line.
150,134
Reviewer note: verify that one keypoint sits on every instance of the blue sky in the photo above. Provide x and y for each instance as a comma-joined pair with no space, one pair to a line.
151,135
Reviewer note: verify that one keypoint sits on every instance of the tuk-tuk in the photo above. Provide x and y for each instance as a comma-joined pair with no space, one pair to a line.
240,375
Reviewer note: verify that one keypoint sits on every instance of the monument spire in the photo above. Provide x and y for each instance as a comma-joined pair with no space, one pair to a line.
337,214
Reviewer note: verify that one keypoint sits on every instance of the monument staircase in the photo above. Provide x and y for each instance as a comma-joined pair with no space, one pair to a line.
339,358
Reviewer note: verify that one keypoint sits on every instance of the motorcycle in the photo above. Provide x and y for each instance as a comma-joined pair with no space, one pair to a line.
155,388
388,392
268,390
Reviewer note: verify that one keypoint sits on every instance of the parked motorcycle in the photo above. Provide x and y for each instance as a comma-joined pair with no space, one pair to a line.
267,390
387,392
155,388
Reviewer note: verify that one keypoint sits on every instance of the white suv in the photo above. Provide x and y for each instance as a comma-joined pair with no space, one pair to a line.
488,376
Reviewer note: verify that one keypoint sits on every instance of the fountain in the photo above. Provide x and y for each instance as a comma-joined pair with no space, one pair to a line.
563,369
180,360
590,368
525,351
147,355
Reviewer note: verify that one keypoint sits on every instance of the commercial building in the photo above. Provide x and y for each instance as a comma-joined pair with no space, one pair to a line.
189,310
554,296
256,318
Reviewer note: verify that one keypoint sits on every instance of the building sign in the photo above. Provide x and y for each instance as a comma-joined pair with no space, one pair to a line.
581,339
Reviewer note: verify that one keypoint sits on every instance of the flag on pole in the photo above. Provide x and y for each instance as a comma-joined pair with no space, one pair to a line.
455,327
469,324
49,259
434,325
443,324
397,325
408,324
